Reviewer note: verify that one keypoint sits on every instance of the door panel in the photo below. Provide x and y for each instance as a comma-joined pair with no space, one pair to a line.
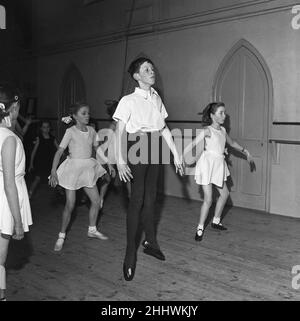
254,100
243,87
250,181
229,92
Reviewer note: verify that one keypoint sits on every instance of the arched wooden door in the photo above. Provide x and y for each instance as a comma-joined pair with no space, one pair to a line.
244,84
72,90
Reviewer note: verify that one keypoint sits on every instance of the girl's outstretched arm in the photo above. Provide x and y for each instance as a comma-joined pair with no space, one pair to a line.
197,140
165,132
28,122
36,145
238,147
53,180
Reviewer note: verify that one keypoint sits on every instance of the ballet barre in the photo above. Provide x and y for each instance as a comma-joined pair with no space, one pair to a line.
276,147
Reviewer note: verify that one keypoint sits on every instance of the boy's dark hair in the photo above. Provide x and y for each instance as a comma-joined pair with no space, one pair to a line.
211,108
136,64
8,95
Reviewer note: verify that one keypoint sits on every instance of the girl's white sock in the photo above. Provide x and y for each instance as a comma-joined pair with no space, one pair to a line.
61,235
200,227
216,220
92,229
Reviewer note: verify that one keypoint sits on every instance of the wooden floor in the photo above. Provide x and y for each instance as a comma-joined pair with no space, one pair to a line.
251,261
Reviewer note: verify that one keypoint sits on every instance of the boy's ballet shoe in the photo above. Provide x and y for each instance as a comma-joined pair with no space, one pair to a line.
59,244
218,226
155,252
128,272
199,234
97,235
3,299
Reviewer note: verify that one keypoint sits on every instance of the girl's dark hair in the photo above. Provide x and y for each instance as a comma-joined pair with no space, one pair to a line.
44,121
41,122
211,108
8,95
73,109
136,64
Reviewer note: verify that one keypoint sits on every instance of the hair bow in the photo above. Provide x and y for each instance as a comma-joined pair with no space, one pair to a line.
2,106
66,119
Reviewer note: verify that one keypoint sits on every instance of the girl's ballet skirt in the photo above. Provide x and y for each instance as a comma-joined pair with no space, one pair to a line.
211,168
6,218
74,173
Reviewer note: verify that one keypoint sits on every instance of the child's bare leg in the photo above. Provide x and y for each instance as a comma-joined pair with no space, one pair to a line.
94,197
66,216
103,188
34,185
3,254
224,193
207,190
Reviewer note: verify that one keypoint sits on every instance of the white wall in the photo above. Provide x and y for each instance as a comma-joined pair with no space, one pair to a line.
285,198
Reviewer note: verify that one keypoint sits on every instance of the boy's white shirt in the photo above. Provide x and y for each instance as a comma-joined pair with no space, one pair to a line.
141,111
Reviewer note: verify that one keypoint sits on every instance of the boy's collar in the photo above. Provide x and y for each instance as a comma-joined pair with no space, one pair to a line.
145,93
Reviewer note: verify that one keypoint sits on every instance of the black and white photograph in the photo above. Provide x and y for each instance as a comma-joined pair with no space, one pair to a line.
149,154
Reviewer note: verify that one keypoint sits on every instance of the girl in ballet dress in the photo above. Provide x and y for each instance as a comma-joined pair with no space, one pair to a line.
79,170
15,212
211,168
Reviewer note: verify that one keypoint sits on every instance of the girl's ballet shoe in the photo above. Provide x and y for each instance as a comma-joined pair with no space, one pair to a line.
3,299
199,234
59,244
97,235
218,226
